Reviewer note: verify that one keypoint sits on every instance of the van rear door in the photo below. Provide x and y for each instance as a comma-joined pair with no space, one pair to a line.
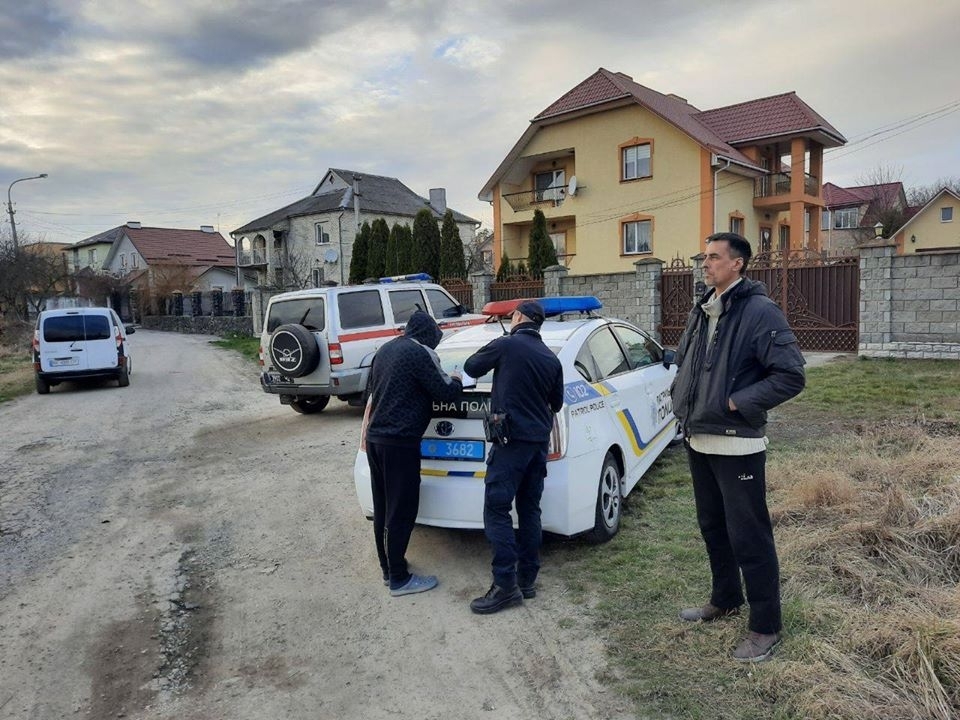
101,341
63,343
309,311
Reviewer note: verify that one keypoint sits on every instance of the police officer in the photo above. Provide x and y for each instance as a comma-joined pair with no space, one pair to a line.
527,392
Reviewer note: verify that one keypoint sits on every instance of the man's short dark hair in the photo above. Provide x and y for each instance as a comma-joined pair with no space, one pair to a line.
739,246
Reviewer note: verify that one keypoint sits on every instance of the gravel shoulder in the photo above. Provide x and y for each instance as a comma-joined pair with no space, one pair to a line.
188,548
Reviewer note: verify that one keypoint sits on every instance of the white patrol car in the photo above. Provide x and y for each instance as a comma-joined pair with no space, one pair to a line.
320,342
616,420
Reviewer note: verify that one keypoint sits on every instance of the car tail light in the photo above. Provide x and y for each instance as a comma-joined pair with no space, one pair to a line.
558,436
119,337
260,358
35,345
336,353
363,428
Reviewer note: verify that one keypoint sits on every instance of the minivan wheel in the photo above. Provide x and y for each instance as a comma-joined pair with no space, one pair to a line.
123,377
609,502
294,350
43,387
310,405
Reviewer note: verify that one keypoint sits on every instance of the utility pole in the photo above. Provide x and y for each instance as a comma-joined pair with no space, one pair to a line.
356,202
13,224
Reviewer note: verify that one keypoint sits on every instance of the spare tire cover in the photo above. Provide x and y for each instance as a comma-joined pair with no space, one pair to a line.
294,350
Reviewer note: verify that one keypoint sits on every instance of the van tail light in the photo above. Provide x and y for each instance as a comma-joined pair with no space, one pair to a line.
336,353
35,345
119,337
558,436
260,358
363,428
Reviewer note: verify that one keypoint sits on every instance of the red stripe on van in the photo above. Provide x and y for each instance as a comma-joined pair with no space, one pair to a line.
369,334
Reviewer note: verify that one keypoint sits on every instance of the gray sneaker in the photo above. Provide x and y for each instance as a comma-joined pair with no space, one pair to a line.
416,584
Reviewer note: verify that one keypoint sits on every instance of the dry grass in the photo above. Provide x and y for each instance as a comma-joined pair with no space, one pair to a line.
16,365
869,540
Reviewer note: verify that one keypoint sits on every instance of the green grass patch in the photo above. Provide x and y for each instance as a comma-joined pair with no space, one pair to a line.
862,478
16,374
246,345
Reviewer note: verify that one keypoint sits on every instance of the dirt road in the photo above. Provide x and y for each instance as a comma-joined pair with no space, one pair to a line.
188,548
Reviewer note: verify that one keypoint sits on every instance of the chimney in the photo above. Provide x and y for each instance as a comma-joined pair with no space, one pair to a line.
133,224
206,228
438,198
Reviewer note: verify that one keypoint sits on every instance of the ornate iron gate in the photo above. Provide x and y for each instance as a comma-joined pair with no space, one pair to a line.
676,299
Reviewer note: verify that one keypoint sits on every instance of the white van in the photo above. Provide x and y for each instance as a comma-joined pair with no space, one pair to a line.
75,343
320,342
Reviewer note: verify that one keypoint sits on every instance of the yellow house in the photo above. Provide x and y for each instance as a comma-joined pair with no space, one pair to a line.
623,172
935,226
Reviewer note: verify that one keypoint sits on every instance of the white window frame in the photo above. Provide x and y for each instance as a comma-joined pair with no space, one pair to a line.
846,218
552,192
123,260
559,240
136,260
737,224
317,277
632,160
946,214
632,234
825,220
321,235
92,257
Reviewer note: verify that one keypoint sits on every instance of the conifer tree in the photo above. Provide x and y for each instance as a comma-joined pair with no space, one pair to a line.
452,263
506,269
405,254
394,244
540,245
377,250
426,244
358,261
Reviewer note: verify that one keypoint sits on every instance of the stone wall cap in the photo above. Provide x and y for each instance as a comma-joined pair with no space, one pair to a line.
648,261
882,242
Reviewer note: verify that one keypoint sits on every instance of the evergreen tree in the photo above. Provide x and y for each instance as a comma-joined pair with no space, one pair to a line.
505,270
540,246
358,262
394,244
405,261
426,244
452,263
522,270
377,250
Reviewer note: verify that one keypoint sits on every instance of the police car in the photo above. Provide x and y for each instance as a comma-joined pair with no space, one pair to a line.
617,418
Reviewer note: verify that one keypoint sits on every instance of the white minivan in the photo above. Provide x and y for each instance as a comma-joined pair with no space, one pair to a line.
75,343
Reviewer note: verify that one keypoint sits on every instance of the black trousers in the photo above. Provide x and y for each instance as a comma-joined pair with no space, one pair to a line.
731,498
395,482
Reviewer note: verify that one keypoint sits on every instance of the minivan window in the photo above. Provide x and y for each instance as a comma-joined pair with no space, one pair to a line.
74,328
405,303
302,311
443,306
360,309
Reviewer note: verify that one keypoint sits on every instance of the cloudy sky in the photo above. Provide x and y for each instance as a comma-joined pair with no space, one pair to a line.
180,113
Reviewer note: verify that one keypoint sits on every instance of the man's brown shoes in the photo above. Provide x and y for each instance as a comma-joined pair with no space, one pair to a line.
756,647
707,613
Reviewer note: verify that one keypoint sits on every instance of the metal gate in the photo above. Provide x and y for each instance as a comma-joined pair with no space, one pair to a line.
820,297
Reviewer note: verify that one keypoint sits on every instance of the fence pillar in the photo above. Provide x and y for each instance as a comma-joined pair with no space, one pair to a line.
196,303
217,299
699,278
649,272
238,302
481,282
177,298
553,280
876,296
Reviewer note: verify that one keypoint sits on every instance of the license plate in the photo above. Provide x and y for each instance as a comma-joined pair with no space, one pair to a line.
60,362
436,449
273,378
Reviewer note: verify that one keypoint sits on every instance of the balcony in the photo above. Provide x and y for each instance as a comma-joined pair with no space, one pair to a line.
780,184
530,199
249,259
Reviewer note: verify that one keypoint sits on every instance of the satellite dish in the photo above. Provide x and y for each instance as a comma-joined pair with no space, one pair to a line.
572,187
330,255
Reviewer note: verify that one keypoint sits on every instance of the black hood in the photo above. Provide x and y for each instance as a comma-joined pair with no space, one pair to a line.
424,329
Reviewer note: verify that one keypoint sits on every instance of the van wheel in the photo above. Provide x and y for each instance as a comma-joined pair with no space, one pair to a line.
310,405
609,502
43,387
294,350
123,377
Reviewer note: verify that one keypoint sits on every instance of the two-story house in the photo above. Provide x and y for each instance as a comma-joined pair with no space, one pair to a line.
310,241
622,172
850,214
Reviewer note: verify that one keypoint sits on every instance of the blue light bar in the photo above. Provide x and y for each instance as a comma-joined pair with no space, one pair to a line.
569,304
412,277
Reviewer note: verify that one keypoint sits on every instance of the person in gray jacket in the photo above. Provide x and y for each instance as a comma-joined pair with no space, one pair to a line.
736,360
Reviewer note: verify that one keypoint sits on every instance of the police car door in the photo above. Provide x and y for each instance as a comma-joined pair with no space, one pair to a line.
646,393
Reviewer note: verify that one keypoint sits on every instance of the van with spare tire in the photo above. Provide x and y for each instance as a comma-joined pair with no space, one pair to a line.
319,343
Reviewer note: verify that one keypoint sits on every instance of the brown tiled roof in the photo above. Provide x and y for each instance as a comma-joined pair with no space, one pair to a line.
596,89
168,246
836,196
883,193
768,117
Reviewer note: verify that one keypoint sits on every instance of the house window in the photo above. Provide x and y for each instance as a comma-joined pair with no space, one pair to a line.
825,220
317,277
765,239
736,225
136,261
637,236
784,237
549,186
636,161
323,233
123,260
946,214
92,257
559,243
846,218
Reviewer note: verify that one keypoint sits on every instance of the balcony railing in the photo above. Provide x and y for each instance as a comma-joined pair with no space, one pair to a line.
776,184
529,199
257,257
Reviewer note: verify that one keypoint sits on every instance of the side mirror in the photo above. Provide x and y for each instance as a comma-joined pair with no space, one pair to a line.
129,329
669,358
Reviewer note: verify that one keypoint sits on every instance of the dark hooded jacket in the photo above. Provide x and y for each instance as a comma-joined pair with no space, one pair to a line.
406,379
753,359
527,381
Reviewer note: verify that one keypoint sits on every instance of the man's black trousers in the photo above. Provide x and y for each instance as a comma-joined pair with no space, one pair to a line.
731,497
395,482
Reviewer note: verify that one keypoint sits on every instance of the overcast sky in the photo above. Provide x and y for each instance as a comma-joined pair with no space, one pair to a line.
181,113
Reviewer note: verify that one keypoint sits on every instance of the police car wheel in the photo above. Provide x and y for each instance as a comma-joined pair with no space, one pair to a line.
609,501
310,405
294,351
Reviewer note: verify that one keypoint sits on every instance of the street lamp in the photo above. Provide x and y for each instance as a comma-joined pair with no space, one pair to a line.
13,224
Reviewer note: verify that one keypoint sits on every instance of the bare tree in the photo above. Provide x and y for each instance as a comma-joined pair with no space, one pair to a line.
886,202
294,270
474,252
920,196
29,275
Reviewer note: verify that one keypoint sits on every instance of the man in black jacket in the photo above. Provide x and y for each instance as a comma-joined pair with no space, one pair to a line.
737,359
528,390
406,379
